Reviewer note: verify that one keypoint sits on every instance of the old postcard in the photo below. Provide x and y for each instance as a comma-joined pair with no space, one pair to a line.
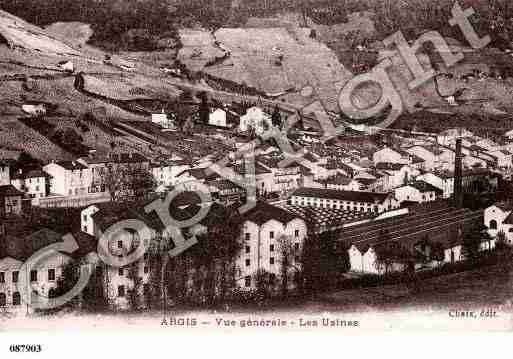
328,166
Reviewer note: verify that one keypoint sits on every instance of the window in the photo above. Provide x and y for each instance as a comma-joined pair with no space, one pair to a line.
85,217
296,258
271,235
247,281
296,233
146,256
248,262
120,244
51,274
33,276
271,261
296,246
85,229
271,248
3,300
52,293
120,272
121,291
146,269
16,298
248,236
248,249
493,224
15,276
272,278
146,288
2,277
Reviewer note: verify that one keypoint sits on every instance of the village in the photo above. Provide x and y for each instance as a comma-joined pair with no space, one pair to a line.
393,204
227,140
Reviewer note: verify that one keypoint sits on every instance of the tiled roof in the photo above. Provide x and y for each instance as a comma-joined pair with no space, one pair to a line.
387,166
264,212
9,191
425,187
71,165
355,196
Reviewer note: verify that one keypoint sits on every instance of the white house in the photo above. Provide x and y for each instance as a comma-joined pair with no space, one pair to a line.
33,183
255,118
164,120
217,118
418,191
34,110
166,173
390,155
69,178
499,218
268,231
67,66
504,158
348,200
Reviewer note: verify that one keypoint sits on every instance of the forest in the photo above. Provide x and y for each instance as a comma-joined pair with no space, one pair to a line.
140,24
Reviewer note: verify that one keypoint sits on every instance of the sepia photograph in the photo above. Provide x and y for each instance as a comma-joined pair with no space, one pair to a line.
327,167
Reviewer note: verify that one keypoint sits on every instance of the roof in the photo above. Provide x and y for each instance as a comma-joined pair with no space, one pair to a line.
354,196
264,212
388,166
71,165
505,206
326,218
9,191
30,174
425,187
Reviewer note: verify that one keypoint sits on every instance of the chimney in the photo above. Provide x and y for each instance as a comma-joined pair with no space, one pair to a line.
458,180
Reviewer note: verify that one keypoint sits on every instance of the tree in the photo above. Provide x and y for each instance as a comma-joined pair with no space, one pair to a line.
323,260
135,292
264,283
472,240
501,243
95,296
124,182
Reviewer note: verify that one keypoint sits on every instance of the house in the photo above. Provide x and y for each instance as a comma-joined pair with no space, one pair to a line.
217,118
504,158
43,277
10,201
163,119
166,172
418,191
33,183
267,231
394,175
69,178
348,200
499,218
5,169
430,155
34,110
256,119
391,155
66,65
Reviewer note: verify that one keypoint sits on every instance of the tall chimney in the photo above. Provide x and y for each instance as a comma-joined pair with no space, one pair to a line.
458,180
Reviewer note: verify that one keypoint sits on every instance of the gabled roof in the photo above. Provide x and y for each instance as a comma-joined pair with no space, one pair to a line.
387,166
424,187
264,212
71,165
354,196
505,206
9,191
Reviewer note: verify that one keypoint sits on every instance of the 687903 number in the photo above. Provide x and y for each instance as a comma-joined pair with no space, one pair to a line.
25,348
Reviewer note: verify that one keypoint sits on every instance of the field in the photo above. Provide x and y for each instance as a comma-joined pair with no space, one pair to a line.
275,60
